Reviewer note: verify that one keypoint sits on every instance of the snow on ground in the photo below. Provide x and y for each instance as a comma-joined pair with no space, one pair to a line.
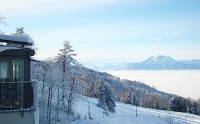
126,114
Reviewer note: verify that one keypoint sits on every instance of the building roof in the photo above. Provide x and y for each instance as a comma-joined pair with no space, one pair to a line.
7,51
4,48
22,40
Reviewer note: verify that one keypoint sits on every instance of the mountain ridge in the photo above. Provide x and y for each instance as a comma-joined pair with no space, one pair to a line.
160,62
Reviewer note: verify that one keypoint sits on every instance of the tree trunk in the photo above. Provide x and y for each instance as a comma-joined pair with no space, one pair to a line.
57,108
70,98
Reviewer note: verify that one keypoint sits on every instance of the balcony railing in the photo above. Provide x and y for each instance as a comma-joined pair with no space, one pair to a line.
17,96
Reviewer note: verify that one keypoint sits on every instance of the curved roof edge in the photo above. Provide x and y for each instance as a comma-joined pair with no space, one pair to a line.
4,50
23,40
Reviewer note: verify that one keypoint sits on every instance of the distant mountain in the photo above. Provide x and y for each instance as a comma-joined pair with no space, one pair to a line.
164,63
160,62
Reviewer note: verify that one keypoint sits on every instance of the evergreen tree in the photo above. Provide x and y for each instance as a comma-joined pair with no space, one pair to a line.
195,107
192,108
174,104
2,18
130,97
135,100
20,32
198,107
106,98
178,104
65,62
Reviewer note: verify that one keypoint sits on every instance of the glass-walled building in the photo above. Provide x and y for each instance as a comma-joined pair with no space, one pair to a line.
17,92
15,86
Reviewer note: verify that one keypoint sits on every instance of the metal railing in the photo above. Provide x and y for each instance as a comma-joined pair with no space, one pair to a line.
17,96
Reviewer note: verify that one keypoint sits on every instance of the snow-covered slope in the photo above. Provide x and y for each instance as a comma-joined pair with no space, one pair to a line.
126,114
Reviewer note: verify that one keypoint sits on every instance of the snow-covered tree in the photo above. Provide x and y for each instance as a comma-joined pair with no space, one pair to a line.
165,103
178,104
20,32
130,97
71,95
47,75
106,98
2,22
2,18
1,43
198,107
65,62
192,108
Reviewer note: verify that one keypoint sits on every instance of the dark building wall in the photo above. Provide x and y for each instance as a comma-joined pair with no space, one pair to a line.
26,88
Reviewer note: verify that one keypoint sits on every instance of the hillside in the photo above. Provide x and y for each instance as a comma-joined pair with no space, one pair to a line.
86,82
126,114
160,62
121,87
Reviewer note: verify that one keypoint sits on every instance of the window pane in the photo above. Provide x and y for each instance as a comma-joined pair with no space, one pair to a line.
3,71
18,70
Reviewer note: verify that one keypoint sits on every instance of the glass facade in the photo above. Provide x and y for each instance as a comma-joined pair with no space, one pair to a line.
3,68
3,71
18,70
14,93
11,70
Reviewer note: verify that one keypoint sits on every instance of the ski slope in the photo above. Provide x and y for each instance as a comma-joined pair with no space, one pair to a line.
126,114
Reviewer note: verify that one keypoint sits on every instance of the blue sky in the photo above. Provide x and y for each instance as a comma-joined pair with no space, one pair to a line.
109,31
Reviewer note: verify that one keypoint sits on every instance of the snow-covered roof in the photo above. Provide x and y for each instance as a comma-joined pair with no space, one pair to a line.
16,39
16,51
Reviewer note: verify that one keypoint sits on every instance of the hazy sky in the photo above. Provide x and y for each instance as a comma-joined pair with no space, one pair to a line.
108,31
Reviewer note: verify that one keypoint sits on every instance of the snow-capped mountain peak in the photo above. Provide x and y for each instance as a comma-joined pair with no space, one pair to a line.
159,59
160,62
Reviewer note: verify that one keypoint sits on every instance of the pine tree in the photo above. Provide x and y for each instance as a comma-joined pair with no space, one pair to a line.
192,108
173,104
2,18
20,32
65,62
106,98
178,104
130,98
198,107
